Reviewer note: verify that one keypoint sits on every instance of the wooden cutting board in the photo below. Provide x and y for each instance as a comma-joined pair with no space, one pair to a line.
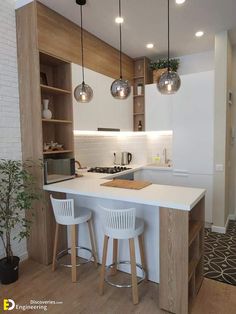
127,184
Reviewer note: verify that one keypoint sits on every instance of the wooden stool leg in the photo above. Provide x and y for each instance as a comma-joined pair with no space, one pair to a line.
133,271
142,254
73,253
103,269
92,240
55,247
113,270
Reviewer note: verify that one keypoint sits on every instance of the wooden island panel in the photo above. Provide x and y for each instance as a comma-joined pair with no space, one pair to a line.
181,257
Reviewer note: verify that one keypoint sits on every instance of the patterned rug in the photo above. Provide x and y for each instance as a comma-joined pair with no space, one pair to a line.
220,255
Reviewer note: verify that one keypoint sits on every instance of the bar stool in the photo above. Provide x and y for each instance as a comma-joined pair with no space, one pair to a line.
67,214
122,224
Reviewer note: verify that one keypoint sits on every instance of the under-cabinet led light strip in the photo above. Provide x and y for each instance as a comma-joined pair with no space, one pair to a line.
122,133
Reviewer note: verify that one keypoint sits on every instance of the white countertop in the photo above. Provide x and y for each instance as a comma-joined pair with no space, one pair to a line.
182,198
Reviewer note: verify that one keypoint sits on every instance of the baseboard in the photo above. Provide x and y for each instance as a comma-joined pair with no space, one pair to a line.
223,229
23,256
232,217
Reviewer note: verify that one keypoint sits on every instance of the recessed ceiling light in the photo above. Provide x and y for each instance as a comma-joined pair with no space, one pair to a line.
119,19
149,46
199,34
180,1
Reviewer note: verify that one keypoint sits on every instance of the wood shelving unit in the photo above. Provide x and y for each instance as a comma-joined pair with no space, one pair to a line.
57,152
142,75
56,121
181,257
196,250
59,129
53,90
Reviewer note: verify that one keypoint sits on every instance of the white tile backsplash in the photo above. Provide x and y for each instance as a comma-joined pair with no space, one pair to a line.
93,150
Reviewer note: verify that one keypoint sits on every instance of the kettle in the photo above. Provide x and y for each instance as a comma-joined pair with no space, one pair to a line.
126,158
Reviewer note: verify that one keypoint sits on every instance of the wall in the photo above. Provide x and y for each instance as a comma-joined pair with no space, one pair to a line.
197,62
10,137
233,143
98,150
220,202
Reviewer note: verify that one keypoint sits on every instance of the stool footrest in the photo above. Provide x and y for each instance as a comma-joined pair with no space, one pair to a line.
63,253
122,285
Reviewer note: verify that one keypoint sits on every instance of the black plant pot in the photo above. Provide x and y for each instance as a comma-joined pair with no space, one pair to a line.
9,271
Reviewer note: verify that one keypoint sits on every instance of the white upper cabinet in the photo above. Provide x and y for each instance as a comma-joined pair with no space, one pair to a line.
193,118
103,111
158,109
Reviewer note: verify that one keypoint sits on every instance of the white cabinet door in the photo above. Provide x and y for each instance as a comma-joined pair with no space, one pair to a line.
158,110
103,111
197,181
155,176
193,114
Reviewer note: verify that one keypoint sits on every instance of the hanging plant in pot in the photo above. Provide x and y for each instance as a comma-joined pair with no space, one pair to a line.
160,66
17,193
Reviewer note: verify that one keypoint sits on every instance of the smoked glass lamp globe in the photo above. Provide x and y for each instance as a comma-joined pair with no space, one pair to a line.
83,93
120,89
169,83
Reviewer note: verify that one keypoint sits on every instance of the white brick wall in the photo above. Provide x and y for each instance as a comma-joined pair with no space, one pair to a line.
10,137
98,150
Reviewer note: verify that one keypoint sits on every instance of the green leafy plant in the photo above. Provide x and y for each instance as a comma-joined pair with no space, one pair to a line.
163,63
18,191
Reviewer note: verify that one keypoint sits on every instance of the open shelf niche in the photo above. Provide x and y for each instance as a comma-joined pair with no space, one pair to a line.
142,76
55,85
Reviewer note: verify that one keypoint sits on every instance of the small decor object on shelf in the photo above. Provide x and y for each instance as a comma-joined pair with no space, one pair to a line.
52,146
160,66
43,78
18,191
47,114
140,126
140,89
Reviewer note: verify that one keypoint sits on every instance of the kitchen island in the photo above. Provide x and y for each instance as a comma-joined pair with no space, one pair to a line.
174,229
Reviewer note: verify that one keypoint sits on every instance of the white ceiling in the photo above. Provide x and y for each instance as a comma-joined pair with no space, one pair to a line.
146,21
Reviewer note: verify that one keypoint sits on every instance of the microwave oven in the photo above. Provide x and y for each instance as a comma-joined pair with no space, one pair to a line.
56,170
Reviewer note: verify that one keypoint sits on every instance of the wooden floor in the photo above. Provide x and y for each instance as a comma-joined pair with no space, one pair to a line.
37,282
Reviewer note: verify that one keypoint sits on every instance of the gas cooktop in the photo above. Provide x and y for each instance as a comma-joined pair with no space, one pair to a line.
110,170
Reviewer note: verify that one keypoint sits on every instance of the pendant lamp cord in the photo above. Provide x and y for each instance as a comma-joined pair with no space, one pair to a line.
82,41
168,35
121,74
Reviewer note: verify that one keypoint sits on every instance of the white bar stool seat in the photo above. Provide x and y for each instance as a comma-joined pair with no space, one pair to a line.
68,215
120,224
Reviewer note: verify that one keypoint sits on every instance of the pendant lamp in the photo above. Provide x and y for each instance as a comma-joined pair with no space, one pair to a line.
83,93
169,82
120,89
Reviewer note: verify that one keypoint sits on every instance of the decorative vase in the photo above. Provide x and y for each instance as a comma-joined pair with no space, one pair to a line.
139,89
47,114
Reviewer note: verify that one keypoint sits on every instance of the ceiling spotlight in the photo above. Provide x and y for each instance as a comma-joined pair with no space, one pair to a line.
199,34
119,19
180,1
150,46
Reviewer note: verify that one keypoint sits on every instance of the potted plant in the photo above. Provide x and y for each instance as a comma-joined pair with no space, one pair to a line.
17,193
161,66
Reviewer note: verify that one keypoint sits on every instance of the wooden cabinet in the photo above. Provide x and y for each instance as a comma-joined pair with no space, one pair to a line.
142,76
181,257
55,85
